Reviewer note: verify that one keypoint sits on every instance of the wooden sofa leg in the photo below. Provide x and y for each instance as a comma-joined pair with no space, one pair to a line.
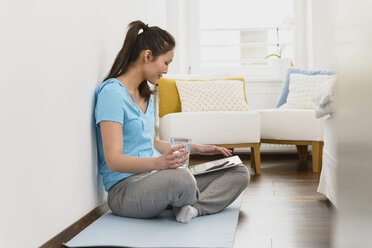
302,152
256,158
252,158
317,148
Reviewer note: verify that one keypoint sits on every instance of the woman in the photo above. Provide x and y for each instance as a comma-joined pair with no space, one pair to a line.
139,171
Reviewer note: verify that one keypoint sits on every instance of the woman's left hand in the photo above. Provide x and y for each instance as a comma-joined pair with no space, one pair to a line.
211,149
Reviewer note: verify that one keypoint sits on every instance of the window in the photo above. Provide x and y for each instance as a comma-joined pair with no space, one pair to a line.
241,33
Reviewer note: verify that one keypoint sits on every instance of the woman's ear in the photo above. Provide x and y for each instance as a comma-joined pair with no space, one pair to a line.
147,56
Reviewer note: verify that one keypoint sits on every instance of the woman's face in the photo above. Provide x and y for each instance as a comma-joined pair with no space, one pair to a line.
159,66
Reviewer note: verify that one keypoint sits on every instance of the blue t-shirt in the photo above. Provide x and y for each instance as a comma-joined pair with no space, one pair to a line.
113,104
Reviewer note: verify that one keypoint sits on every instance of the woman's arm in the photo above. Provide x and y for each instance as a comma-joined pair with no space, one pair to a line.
112,141
163,146
209,150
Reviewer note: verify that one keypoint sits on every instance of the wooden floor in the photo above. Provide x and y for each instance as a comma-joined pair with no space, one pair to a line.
281,208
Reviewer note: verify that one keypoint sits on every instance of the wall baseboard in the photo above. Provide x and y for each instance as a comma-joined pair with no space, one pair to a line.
75,228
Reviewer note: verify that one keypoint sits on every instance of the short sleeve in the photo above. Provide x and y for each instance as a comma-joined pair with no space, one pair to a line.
109,106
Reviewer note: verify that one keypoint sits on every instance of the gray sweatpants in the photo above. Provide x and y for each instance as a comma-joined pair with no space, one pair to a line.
145,195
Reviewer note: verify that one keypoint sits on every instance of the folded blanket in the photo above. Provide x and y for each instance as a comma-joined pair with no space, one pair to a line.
324,98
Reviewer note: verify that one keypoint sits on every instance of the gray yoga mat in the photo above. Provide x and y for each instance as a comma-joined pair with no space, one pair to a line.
216,230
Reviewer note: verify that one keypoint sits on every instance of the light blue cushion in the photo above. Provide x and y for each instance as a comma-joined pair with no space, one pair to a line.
285,89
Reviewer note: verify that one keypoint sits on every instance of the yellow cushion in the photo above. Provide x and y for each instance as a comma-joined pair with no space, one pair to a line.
169,99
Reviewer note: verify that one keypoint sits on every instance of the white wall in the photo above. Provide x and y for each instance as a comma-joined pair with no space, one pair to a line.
301,36
53,54
319,34
176,25
352,25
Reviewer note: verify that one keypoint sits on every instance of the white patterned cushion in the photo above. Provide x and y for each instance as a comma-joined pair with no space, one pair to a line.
219,95
302,89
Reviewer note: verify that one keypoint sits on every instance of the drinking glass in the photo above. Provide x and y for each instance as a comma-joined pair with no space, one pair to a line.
175,141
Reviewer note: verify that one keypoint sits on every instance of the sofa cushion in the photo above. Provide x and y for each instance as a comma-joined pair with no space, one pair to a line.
303,88
291,124
169,100
285,89
222,127
219,95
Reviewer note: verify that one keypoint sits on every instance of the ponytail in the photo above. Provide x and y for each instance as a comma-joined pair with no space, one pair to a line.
141,37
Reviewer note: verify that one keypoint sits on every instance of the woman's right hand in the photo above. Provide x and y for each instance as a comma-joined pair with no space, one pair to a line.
171,159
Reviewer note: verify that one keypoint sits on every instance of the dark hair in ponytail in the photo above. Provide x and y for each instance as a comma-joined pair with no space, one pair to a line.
153,38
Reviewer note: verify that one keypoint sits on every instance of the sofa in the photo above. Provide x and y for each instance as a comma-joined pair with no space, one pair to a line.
297,127
325,102
230,129
328,177
238,128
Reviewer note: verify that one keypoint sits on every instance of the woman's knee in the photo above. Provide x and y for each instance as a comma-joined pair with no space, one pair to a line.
183,186
241,175
183,179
